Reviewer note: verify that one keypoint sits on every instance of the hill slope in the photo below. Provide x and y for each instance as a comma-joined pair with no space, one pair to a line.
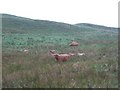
15,24
96,27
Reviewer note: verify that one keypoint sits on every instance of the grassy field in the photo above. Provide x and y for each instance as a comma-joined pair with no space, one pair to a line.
98,68
37,69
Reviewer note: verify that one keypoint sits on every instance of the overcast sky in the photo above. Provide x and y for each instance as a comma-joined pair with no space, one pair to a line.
101,12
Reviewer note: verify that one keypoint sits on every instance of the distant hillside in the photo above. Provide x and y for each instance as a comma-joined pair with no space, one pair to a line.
93,26
15,24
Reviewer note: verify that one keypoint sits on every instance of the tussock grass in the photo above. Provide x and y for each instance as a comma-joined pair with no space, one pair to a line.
38,69
41,70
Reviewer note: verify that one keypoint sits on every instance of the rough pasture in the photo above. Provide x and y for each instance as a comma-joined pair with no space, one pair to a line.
98,68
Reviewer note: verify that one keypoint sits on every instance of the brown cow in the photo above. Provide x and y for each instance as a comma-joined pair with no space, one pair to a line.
61,57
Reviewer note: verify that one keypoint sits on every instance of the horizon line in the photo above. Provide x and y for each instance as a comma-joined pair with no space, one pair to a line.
58,21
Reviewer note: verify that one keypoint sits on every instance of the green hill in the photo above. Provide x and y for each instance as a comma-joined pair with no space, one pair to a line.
93,26
96,27
54,31
15,24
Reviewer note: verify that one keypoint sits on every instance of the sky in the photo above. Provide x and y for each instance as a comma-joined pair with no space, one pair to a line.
101,12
